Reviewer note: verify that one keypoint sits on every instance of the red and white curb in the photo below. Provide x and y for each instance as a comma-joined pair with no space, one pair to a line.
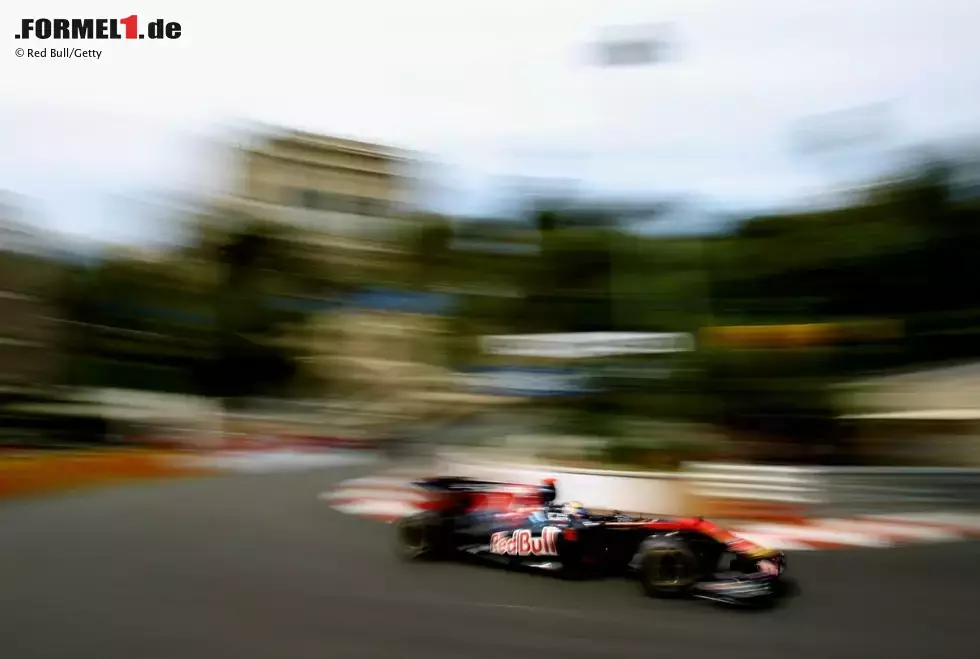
390,496
385,497
864,531
276,460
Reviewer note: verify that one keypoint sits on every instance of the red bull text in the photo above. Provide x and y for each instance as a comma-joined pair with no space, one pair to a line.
522,543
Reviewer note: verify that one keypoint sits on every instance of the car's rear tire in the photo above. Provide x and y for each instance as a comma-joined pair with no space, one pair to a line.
418,537
667,568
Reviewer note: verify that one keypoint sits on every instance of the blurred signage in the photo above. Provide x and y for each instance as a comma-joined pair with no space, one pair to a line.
643,371
801,335
495,247
630,53
635,46
527,382
587,344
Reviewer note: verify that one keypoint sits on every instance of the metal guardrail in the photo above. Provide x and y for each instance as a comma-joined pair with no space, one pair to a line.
792,485
755,490
839,490
473,458
857,490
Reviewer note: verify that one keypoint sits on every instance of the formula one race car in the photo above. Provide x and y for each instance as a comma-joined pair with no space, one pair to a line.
523,527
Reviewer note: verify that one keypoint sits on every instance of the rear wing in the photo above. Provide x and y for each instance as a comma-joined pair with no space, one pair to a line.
458,495
458,484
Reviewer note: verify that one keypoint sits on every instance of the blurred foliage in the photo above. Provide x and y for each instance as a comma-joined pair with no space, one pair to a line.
430,252
211,316
203,318
902,252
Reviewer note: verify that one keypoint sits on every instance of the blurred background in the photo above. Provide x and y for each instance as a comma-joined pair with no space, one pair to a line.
618,233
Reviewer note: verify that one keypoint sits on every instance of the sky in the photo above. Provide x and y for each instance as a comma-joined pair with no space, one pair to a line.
488,91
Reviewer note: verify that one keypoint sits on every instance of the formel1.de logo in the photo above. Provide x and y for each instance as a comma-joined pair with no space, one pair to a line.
77,29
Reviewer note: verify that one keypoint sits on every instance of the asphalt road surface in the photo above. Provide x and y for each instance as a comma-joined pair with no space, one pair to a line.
256,567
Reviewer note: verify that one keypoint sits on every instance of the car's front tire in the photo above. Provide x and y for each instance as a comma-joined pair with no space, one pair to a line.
667,567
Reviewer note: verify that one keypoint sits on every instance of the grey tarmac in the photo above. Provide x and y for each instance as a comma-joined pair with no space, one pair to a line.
256,567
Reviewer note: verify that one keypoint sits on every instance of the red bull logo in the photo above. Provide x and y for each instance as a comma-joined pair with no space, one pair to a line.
522,543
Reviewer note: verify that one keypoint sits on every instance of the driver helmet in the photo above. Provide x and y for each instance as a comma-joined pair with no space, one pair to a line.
548,491
575,509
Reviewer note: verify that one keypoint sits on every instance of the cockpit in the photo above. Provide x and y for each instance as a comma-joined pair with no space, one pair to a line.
538,517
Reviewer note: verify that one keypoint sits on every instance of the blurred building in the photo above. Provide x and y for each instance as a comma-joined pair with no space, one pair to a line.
346,195
381,347
29,285
378,344
922,417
